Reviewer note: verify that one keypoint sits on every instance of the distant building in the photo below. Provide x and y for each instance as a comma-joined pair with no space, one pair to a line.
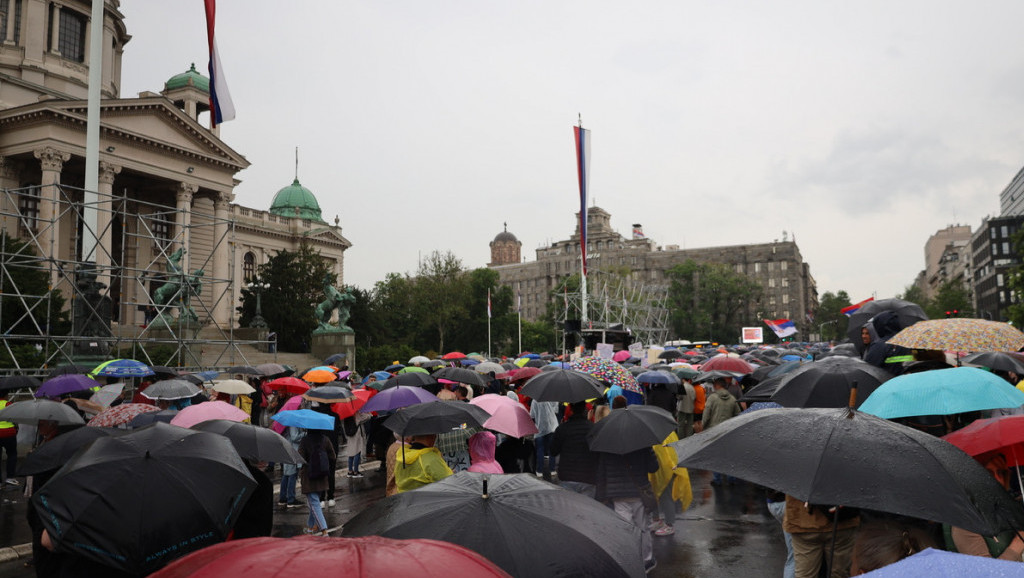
1011,200
505,249
993,257
946,258
789,288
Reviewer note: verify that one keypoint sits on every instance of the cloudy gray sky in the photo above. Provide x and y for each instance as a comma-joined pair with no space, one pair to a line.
860,127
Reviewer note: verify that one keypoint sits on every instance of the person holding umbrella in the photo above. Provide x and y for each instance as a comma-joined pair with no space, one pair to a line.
316,448
420,463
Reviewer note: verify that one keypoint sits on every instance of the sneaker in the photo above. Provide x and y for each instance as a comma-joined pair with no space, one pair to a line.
656,525
358,475
331,503
665,530
12,482
540,474
293,504
648,566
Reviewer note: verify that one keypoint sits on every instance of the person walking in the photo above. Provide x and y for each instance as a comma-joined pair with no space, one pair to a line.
290,472
621,480
544,414
720,406
419,464
356,434
318,451
685,408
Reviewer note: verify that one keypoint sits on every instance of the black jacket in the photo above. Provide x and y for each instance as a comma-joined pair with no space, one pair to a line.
576,463
623,476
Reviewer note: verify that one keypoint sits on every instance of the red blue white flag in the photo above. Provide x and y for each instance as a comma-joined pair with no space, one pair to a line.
583,172
221,107
488,303
848,311
781,327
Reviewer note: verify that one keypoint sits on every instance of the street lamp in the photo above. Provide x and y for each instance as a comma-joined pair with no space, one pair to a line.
258,287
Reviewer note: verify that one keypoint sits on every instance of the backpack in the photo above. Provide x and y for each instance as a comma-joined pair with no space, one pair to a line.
319,464
350,426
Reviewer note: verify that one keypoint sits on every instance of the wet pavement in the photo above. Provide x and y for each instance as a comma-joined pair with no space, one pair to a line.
726,532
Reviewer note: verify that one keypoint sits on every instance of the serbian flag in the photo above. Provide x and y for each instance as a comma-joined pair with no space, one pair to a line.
781,327
488,303
848,311
583,172
221,107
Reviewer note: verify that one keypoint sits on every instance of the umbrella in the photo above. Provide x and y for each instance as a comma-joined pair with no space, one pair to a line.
274,370
960,334
607,371
12,382
621,356
670,354
432,363
328,394
996,361
68,383
304,418
199,377
942,392
662,377
123,368
685,372
55,453
232,386
461,375
253,442
164,370
394,367
765,390
319,376
827,383
538,363
399,396
526,373
1003,434
526,526
412,369
121,414
418,359
242,370
435,417
206,411
844,349
291,385
844,456
66,369
726,363
171,389
631,428
453,356
932,563
563,385
490,367
907,314
759,405
352,405
107,394
33,410
95,508
511,419
144,419
705,376
492,401
291,403
335,358
369,557
424,380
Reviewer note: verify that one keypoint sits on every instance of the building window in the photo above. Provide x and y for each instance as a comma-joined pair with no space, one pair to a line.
72,35
771,283
1006,248
992,233
785,298
757,267
1003,231
161,230
785,282
28,206
782,265
999,280
249,266
5,7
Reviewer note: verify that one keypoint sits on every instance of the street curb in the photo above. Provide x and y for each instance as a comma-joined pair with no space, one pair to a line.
15,552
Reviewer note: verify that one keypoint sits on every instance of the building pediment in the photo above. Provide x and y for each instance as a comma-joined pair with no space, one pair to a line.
328,235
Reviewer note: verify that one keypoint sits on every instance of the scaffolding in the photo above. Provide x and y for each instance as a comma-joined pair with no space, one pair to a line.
108,305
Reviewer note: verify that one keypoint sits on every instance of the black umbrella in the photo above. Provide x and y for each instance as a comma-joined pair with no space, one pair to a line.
764,390
565,385
33,410
253,442
526,526
137,501
461,375
846,457
144,419
843,350
996,360
336,357
274,370
670,354
242,369
171,389
19,382
538,363
71,368
328,393
53,454
435,417
631,428
827,383
412,379
163,370
715,374
907,313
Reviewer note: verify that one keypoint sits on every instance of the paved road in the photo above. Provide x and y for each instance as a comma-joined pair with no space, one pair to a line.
727,531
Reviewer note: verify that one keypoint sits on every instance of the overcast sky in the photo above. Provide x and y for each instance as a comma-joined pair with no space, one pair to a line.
859,127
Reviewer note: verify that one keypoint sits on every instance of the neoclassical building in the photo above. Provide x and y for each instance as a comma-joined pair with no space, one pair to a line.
166,181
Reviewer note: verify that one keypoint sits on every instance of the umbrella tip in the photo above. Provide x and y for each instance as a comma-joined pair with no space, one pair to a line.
485,496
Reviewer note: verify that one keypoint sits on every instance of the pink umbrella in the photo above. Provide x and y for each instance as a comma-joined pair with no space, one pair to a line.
207,411
621,356
512,420
490,402
292,403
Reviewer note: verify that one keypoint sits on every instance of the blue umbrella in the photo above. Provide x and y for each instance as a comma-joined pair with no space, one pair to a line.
396,397
305,419
930,563
394,367
941,392
67,383
468,362
759,405
381,375
124,368
531,356
657,377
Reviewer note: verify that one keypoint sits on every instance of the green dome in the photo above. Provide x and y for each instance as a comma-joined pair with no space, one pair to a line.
296,196
190,77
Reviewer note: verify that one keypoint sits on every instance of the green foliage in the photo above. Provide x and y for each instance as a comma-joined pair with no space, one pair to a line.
289,305
24,355
829,317
540,336
376,357
1015,281
710,300
951,296
27,305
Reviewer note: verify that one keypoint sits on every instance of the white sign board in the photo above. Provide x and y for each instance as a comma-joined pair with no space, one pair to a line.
605,350
753,335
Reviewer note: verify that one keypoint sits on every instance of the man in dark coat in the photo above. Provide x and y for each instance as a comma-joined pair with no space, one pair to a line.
577,464
620,480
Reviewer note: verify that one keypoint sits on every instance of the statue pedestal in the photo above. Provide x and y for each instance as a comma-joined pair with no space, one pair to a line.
327,343
184,334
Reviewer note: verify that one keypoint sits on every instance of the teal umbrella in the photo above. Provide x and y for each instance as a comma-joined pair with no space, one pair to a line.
942,392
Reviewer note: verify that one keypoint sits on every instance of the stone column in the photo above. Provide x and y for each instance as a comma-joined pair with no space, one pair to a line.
183,218
222,258
104,214
51,162
55,30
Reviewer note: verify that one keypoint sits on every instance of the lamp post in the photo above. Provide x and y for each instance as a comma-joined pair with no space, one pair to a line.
256,286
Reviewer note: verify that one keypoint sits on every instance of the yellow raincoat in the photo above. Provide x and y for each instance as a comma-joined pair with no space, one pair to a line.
668,473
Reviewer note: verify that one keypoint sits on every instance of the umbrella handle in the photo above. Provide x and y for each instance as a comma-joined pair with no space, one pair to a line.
853,395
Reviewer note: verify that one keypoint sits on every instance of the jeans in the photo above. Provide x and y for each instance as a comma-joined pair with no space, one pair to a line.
316,513
543,443
288,488
778,510
716,479
10,447
353,462
584,488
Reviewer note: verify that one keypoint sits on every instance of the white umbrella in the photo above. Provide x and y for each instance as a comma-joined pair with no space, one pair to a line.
232,386
418,360
107,394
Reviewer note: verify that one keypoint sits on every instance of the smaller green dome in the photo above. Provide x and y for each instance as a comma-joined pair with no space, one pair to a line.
190,77
296,196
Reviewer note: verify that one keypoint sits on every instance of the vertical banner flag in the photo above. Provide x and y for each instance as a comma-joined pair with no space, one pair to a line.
583,172
848,311
488,303
781,327
221,107
519,302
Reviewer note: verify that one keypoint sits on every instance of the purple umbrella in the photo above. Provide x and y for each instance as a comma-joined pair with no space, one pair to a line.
396,397
66,383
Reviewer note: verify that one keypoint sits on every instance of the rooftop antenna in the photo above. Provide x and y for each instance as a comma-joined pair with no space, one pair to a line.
296,163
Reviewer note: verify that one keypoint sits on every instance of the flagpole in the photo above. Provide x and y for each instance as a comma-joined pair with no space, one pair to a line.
488,324
519,313
90,195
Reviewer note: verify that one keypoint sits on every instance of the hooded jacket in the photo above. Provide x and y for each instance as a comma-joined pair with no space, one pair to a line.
481,454
721,405
418,467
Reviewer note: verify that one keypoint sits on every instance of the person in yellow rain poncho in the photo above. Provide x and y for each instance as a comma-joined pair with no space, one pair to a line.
671,484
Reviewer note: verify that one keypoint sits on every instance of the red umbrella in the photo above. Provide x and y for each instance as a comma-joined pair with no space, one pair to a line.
292,385
369,557
453,356
525,373
350,406
726,363
1003,434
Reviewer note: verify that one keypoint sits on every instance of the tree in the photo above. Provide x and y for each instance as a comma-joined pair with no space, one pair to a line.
915,294
296,281
829,317
440,295
1015,282
951,297
27,305
707,300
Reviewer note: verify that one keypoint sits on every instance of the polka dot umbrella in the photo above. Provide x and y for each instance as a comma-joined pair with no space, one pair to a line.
608,371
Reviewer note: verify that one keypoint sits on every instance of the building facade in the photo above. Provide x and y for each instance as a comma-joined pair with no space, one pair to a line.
946,258
166,181
789,287
993,257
